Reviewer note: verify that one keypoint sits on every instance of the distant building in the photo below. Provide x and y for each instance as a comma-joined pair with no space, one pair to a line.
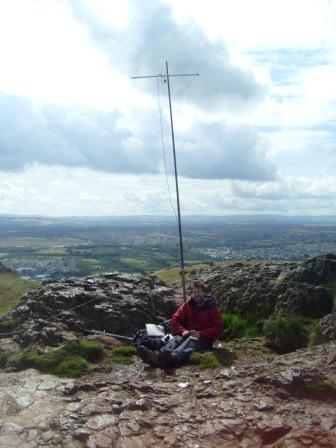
26,272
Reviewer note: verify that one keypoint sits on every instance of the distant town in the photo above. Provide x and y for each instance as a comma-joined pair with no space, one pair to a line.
46,248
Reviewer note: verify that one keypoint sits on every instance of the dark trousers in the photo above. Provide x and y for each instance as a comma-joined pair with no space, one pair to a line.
180,348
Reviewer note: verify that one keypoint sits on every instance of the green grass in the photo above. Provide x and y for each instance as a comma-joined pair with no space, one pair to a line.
92,351
73,367
125,360
71,360
287,333
205,360
125,350
12,287
124,354
316,335
237,326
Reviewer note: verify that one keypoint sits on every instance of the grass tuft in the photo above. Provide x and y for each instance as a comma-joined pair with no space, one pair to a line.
237,326
92,351
205,360
287,333
316,335
124,354
125,350
73,367
125,360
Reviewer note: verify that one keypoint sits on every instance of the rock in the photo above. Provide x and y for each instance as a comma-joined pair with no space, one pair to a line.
153,411
81,434
115,302
101,421
271,431
260,290
264,406
328,325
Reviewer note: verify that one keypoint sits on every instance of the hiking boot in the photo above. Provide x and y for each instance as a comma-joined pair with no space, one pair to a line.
165,359
150,357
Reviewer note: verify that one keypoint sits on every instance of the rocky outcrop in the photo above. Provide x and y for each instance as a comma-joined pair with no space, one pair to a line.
114,302
263,400
328,325
261,289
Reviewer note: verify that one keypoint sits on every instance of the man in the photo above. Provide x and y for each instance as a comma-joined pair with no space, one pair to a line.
196,325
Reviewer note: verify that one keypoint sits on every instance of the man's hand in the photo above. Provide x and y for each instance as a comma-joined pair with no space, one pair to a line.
194,334
186,333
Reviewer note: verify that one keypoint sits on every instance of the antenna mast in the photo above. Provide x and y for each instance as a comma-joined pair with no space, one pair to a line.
166,77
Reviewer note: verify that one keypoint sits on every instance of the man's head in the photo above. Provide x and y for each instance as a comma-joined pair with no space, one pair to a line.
198,291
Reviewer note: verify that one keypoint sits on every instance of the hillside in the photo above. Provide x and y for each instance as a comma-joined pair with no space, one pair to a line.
252,396
12,287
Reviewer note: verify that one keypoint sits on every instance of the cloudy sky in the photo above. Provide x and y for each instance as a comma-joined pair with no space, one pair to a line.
255,132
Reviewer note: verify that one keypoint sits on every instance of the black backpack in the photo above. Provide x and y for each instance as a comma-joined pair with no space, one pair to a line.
153,336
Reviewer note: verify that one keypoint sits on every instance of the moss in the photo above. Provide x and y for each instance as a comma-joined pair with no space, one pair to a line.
92,351
124,350
237,326
205,360
70,360
3,359
49,362
72,367
120,359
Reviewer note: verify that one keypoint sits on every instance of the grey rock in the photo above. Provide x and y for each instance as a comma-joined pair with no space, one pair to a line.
114,302
260,290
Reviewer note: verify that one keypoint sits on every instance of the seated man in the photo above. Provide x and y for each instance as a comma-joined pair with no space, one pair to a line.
196,324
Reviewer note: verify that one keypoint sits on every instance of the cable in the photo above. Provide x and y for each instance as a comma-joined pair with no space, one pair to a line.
163,147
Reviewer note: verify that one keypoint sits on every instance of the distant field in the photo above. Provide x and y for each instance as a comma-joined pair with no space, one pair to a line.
38,242
12,287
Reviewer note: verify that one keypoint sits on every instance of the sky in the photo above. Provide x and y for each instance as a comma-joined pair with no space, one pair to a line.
255,132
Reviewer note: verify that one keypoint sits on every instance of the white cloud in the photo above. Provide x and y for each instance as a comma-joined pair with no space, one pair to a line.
246,25
73,124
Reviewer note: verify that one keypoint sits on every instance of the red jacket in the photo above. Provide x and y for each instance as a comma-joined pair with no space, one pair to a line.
206,319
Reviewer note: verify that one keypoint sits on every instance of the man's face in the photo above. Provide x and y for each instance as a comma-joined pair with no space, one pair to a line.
198,294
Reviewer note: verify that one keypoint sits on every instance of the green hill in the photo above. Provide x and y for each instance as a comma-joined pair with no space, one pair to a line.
12,287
